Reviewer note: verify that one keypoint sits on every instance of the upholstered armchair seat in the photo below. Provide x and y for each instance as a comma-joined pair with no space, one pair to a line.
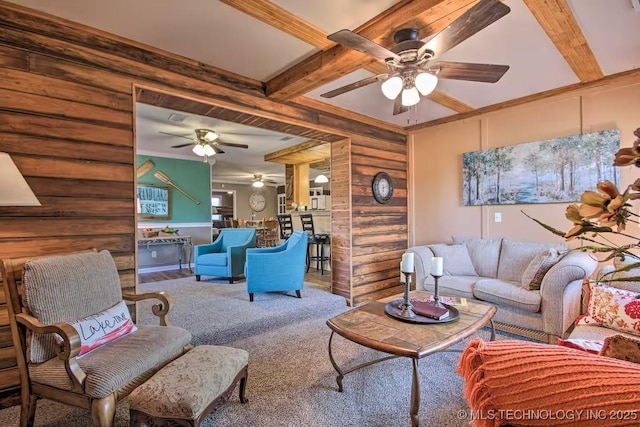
142,352
280,268
225,257
75,339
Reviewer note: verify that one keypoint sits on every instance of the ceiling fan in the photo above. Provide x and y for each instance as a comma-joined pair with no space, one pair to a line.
258,181
207,143
411,70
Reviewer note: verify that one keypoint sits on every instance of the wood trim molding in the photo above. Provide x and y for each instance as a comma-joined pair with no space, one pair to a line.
557,21
338,111
625,76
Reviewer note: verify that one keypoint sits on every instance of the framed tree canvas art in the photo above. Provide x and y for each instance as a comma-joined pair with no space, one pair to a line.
549,171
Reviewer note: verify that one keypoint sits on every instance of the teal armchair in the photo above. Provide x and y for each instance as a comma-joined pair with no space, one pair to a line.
277,269
225,257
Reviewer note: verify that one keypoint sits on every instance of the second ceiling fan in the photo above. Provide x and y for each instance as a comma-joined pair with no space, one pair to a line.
411,72
206,143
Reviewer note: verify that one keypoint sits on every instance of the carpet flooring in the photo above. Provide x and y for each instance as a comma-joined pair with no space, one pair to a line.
291,381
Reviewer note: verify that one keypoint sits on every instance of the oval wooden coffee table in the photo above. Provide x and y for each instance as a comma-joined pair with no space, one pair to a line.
370,326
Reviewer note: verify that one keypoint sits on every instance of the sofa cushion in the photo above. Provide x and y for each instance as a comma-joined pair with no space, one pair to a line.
515,257
456,260
595,333
514,379
613,308
510,294
115,364
215,259
538,267
460,286
88,279
484,254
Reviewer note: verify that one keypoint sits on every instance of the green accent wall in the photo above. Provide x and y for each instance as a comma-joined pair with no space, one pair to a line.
194,177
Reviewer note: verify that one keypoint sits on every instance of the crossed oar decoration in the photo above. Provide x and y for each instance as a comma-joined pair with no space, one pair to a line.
148,165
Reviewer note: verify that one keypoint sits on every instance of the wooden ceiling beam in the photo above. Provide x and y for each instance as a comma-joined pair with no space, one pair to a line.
557,20
305,152
625,76
428,16
283,20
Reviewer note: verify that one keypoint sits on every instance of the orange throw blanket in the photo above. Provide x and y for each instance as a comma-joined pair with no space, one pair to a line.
520,383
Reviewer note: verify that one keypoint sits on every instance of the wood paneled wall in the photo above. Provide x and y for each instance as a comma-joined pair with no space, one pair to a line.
66,118
379,231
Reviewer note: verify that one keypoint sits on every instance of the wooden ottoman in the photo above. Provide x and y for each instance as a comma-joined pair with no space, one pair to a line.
186,390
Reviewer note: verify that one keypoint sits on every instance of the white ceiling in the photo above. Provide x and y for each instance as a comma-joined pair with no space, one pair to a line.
214,33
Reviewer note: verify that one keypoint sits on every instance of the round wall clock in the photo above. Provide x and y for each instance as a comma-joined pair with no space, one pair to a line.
382,187
257,202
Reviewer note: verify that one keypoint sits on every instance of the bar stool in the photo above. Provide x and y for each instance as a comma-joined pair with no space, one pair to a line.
317,240
286,226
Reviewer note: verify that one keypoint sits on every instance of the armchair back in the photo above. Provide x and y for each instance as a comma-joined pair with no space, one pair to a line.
236,237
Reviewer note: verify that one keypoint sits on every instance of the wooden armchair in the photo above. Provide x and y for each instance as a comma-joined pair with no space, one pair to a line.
44,295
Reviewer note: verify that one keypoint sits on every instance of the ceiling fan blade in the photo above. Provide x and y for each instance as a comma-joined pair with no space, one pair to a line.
480,16
362,44
217,149
487,73
354,85
179,136
398,108
231,144
182,145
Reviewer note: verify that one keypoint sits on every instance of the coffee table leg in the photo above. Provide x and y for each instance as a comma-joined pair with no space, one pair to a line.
493,331
415,394
335,365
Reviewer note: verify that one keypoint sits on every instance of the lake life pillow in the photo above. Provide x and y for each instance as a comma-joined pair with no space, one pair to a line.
101,328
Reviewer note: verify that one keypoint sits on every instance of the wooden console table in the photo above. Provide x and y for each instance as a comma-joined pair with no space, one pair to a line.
179,241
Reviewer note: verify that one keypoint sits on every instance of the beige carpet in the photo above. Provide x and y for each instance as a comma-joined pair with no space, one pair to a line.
291,381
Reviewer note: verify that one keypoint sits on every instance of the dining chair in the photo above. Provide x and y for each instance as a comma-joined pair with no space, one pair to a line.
317,241
285,223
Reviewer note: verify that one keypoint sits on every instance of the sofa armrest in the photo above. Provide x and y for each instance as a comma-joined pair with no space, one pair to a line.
67,350
561,289
422,264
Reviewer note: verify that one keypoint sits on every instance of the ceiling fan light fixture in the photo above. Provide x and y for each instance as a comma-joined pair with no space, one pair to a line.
410,97
321,179
211,136
199,149
258,184
426,83
209,151
392,87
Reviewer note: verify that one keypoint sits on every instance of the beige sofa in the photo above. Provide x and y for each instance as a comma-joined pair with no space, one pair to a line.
491,270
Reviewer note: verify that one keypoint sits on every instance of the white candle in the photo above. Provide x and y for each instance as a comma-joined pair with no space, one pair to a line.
402,278
436,266
407,262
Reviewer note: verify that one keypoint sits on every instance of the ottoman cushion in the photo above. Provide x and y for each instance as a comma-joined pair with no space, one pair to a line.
185,387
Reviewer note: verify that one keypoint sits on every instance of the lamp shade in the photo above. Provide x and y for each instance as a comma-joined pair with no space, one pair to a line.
410,97
14,190
258,184
426,83
391,87
321,179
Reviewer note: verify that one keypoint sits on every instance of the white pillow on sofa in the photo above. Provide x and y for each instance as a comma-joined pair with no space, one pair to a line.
455,259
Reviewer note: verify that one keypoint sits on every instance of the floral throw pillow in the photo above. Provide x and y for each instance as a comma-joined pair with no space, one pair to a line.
612,308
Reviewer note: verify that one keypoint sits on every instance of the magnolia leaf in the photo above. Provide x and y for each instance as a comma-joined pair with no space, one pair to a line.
548,227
